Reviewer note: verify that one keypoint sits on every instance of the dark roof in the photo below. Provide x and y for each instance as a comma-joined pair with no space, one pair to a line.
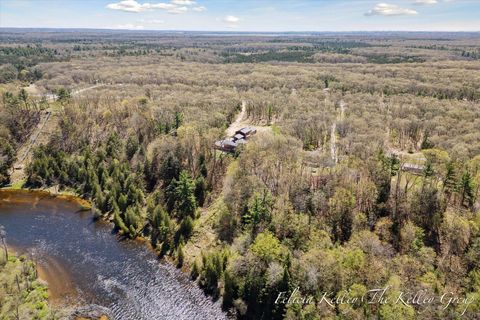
238,136
247,130
230,144
225,145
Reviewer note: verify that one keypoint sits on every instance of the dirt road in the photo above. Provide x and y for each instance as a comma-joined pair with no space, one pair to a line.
39,136
242,122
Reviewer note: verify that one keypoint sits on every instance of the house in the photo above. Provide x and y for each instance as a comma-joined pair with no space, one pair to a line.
240,138
246,132
226,145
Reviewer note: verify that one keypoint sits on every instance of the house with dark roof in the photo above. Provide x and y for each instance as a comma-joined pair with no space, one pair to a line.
226,145
246,132
240,138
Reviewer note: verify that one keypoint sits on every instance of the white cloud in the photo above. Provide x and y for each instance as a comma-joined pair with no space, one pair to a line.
129,26
385,9
165,6
178,10
183,2
128,5
199,8
427,2
134,6
231,19
131,6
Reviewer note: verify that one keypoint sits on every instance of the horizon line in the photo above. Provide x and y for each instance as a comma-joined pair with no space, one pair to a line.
240,31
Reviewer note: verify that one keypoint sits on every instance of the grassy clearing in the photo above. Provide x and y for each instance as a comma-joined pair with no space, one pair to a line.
23,296
17,185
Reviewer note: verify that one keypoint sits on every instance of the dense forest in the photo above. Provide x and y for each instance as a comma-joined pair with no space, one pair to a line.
364,173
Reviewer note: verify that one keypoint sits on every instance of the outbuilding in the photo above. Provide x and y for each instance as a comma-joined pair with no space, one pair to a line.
413,168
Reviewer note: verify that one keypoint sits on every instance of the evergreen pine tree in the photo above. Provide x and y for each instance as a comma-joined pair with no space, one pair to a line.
202,165
230,292
180,254
195,270
184,196
200,190
449,180
467,197
117,220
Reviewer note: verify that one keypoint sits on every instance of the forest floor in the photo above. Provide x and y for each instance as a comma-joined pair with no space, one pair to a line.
38,137
204,236
239,122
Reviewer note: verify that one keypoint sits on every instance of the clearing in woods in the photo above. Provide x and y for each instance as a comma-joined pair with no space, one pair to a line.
242,122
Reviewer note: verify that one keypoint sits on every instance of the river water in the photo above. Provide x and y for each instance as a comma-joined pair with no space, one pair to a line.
85,263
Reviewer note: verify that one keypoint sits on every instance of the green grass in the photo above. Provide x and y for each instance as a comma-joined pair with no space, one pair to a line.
17,185
21,291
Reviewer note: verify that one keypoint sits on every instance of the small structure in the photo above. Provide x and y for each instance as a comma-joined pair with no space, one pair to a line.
413,168
240,138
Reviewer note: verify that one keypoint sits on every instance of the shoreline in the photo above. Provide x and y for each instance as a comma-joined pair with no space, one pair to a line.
50,271
82,203
86,205
61,288
55,285
31,295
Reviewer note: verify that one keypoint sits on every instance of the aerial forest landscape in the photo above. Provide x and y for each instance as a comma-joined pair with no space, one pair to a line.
292,159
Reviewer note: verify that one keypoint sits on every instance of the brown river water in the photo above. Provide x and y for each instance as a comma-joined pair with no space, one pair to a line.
85,263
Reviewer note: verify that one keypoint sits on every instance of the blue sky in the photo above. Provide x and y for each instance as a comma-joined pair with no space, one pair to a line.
245,15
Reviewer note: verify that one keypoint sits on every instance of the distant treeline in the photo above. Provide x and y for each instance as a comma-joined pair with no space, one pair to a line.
19,62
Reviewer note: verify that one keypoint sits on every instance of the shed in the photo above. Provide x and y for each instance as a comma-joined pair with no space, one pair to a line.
413,168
